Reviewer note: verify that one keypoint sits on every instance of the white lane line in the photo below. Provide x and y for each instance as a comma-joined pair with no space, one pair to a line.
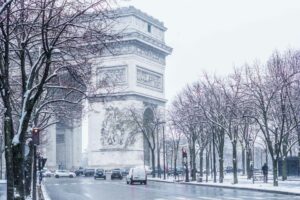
209,198
87,195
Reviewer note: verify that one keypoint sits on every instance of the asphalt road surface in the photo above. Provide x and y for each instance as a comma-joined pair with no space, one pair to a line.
2,191
82,188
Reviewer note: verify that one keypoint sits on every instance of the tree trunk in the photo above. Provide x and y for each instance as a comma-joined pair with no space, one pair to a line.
153,162
193,162
221,167
8,133
298,135
28,170
275,172
284,161
19,170
201,165
234,163
248,162
214,162
243,161
284,168
207,165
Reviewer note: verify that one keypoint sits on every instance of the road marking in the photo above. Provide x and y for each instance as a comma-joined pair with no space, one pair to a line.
88,195
209,198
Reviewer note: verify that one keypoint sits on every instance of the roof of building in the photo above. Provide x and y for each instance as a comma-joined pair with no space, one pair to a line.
125,11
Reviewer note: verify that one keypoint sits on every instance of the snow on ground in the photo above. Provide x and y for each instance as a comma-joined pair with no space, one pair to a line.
292,185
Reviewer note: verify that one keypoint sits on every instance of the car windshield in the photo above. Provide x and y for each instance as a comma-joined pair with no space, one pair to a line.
116,171
99,170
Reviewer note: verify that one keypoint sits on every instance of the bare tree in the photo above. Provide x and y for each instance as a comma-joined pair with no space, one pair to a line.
40,41
267,92
145,122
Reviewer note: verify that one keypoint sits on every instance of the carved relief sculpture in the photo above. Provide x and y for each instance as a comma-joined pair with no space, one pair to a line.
149,79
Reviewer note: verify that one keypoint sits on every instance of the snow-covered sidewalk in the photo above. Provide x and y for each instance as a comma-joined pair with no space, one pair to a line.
291,186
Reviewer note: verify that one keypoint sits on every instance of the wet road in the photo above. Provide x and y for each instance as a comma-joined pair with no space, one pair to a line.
2,191
82,188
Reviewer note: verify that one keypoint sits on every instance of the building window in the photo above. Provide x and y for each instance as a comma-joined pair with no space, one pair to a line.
60,138
149,28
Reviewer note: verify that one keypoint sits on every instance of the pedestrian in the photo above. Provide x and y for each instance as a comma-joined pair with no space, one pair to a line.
265,172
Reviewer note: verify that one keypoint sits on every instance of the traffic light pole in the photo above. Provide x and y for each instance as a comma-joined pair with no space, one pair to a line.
34,171
186,172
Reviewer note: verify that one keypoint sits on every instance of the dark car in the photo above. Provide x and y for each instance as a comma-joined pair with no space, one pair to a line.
116,174
229,169
89,172
100,173
178,171
124,171
79,172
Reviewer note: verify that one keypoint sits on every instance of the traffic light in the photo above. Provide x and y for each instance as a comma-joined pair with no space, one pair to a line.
36,136
184,153
42,162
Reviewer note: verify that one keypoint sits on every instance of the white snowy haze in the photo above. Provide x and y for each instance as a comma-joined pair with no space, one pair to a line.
215,35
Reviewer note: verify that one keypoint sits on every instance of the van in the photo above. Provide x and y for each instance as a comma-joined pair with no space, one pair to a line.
137,174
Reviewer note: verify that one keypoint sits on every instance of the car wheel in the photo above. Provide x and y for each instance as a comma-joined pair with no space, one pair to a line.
104,178
56,176
145,182
131,182
71,176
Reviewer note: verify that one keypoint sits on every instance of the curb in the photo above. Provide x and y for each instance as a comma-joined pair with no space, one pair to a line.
230,187
44,192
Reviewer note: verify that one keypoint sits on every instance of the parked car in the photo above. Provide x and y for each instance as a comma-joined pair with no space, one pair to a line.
229,169
148,170
125,171
99,173
116,174
46,173
79,172
89,172
137,174
64,173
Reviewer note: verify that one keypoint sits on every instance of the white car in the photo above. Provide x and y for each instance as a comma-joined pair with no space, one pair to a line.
46,173
137,174
64,173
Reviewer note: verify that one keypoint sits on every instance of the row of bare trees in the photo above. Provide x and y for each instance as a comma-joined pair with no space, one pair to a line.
45,68
256,103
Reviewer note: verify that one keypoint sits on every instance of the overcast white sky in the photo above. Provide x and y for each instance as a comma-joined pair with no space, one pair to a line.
215,35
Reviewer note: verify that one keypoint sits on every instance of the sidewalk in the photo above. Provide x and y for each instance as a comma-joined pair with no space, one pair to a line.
40,194
290,187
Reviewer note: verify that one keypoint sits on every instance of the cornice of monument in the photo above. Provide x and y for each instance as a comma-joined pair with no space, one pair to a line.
120,95
148,40
131,10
